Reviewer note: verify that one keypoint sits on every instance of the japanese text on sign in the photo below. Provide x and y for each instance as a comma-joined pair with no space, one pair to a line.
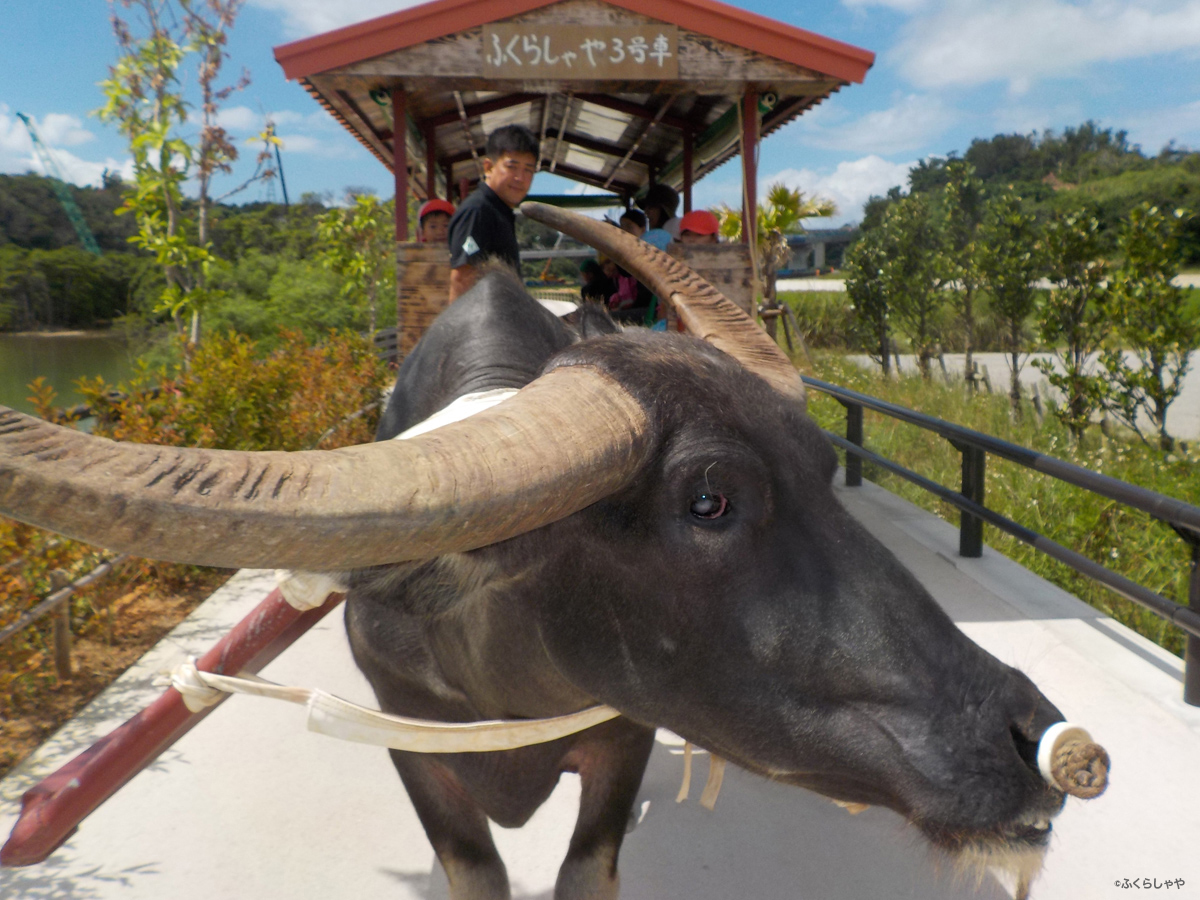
580,51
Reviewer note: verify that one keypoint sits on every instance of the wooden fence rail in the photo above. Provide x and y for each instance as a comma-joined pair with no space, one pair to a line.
57,603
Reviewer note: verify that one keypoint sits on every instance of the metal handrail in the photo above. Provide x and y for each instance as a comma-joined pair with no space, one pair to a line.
974,445
1168,509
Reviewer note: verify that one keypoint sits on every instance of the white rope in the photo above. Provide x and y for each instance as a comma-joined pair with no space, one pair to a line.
340,718
308,590
712,787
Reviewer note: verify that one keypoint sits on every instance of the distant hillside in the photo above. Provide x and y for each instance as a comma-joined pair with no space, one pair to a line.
32,218
1087,167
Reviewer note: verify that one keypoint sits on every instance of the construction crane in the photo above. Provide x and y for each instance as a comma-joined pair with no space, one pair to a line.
54,176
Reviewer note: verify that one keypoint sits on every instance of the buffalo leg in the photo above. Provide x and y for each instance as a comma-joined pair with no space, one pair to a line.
610,770
456,827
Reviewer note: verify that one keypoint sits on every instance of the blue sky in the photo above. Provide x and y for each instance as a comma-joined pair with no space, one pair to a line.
946,71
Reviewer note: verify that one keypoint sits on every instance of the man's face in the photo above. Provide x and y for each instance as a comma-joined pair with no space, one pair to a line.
691,237
435,228
510,176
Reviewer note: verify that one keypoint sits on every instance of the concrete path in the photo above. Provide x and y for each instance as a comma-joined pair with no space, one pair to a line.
1183,416
839,284
250,805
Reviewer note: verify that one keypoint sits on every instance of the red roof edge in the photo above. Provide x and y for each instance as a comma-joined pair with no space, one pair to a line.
408,27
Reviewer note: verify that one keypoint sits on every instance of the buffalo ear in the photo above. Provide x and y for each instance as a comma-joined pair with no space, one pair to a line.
595,321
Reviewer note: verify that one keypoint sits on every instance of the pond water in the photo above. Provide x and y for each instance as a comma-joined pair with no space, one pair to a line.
61,358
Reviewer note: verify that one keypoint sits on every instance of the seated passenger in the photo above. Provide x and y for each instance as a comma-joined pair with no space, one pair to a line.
433,221
597,286
699,227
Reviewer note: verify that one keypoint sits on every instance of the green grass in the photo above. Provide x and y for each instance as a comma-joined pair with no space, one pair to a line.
1125,540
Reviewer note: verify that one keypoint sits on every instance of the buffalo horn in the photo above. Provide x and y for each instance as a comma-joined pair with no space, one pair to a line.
704,310
566,440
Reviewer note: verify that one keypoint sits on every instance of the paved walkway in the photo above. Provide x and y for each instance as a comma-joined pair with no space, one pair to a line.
250,805
839,284
1183,416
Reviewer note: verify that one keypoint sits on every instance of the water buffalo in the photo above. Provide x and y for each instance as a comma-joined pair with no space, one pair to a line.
648,524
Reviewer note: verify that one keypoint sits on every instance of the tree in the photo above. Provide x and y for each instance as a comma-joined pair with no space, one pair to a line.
962,253
909,242
144,97
1010,263
1073,318
865,287
360,246
1148,313
782,213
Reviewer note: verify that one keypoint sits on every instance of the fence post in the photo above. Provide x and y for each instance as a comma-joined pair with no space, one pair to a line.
854,434
62,642
1191,655
59,579
970,528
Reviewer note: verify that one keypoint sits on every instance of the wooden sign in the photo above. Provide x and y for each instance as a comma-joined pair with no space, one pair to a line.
639,52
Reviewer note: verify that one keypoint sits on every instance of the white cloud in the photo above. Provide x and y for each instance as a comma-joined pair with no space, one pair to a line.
850,185
912,122
56,130
907,6
1154,128
60,130
302,18
969,42
239,119
307,144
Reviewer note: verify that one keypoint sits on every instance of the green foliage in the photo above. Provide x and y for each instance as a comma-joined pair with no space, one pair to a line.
1126,541
1010,263
359,246
963,246
1148,313
826,318
910,277
869,296
64,288
261,294
781,213
31,218
1073,319
298,396
144,98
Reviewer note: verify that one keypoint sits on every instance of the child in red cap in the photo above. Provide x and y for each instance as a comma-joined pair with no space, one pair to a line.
698,227
433,221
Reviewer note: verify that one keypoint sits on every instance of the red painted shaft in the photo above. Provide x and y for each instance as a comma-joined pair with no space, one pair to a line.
52,810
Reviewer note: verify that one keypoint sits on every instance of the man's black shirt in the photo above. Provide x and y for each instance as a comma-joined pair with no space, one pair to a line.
483,226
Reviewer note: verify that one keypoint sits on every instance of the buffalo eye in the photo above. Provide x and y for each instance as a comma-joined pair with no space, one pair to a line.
709,505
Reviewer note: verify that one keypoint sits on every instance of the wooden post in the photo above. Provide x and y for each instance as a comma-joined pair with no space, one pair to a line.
400,161
431,163
59,579
750,166
687,172
62,642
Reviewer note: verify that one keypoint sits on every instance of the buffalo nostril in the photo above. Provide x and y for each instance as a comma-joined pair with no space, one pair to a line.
1027,749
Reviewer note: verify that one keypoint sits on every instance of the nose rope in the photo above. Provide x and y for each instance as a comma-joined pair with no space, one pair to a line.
1071,761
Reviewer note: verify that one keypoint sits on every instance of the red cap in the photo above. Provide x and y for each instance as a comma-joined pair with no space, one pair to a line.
699,221
437,204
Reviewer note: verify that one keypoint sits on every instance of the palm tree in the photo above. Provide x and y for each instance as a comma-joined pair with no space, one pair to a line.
780,215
